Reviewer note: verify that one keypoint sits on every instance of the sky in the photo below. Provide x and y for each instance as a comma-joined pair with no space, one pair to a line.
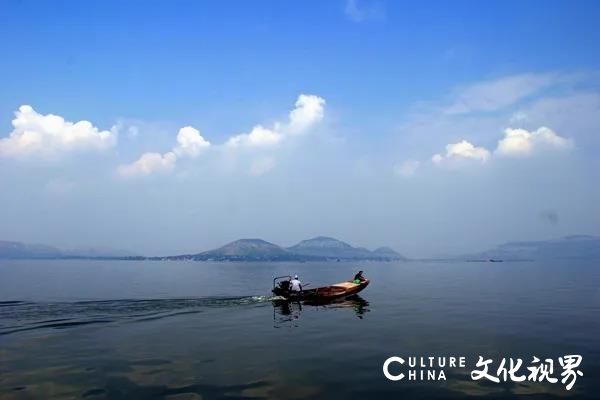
167,127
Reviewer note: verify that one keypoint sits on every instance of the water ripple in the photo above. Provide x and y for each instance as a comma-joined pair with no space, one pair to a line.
20,316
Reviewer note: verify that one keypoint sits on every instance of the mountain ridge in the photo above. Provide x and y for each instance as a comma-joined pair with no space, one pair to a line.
244,250
19,250
331,248
320,248
567,247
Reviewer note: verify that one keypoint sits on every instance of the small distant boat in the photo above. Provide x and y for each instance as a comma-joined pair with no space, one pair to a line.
320,294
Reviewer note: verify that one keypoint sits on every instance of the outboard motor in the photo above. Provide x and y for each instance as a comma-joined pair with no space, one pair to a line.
285,286
281,285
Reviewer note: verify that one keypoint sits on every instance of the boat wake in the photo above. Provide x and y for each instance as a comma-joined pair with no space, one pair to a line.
20,316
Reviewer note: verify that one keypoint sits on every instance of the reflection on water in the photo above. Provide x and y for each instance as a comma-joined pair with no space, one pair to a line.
20,316
285,312
190,331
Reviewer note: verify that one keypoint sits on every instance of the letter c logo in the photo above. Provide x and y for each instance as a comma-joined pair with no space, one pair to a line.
386,365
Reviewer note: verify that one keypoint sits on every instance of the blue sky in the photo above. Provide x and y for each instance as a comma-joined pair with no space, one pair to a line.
399,81
191,60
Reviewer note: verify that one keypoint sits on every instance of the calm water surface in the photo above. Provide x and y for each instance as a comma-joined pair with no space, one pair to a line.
186,330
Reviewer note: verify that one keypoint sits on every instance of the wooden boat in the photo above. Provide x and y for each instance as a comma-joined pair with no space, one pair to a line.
324,294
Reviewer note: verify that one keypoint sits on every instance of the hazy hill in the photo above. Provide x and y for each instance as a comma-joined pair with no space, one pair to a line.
316,249
571,247
14,250
98,252
320,248
388,253
246,250
22,250
330,248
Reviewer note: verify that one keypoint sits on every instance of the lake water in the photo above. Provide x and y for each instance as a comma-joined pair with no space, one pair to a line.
194,330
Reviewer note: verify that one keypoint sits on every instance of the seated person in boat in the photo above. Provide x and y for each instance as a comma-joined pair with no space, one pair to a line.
295,284
358,278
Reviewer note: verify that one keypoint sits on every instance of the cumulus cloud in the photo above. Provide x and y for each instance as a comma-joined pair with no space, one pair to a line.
516,143
520,142
407,168
496,94
462,150
49,136
147,164
259,136
190,142
308,110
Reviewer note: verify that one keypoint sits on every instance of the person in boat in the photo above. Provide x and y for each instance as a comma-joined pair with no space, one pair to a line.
358,278
295,284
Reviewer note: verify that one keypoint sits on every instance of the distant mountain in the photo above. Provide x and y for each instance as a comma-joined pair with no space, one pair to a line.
330,248
320,248
569,247
15,250
316,249
244,250
22,250
388,253
327,247
97,252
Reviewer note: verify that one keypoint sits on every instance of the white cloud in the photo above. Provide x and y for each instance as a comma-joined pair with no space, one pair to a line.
407,168
308,111
462,150
516,142
262,166
148,164
258,137
520,142
358,11
496,94
190,142
49,136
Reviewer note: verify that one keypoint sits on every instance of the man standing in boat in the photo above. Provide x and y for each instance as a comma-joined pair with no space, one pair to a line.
295,284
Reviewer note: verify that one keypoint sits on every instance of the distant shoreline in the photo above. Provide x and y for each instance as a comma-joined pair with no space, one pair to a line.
183,259
320,249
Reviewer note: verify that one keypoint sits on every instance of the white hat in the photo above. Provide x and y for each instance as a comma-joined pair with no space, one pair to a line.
295,276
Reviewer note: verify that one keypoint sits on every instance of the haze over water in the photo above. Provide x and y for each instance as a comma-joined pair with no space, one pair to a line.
152,330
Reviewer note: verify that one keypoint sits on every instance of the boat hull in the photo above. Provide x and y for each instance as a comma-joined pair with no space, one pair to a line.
323,294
